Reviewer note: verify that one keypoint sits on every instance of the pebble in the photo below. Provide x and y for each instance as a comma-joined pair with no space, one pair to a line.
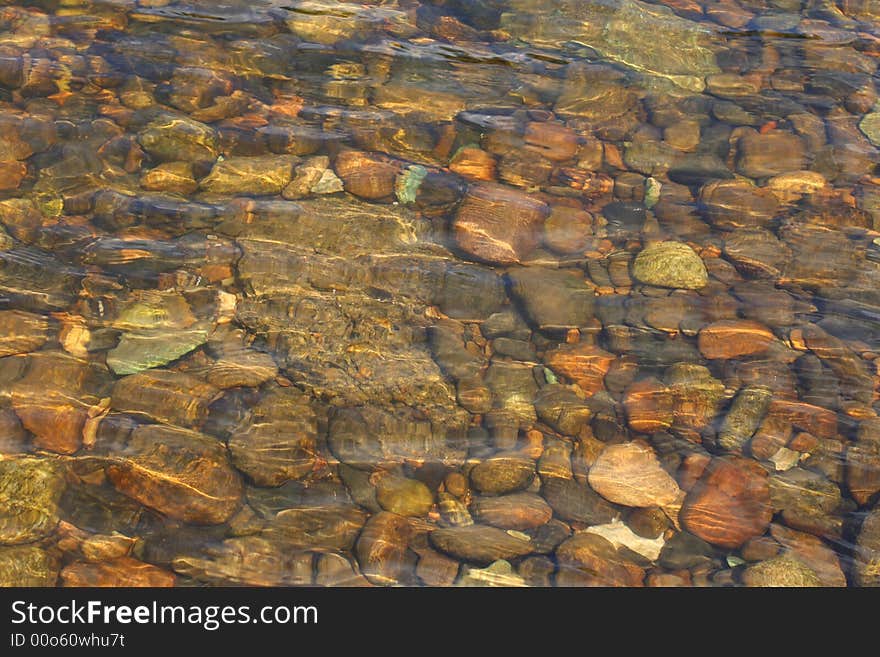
519,511
479,543
588,559
670,264
781,572
403,496
503,474
30,490
631,475
381,550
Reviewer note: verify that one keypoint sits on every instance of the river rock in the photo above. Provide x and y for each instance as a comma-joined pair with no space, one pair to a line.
325,525
519,511
403,496
780,572
246,561
553,298
26,566
120,572
480,543
696,395
181,473
143,350
367,175
630,474
265,174
863,462
582,363
498,224
562,408
678,52
731,204
756,252
867,562
575,502
568,230
734,338
729,504
174,177
588,559
381,550
164,396
503,474
649,406
30,489
812,552
670,264
807,501
744,417
178,138
769,154
276,442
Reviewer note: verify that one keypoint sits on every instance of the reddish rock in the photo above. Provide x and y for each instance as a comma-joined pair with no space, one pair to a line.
554,141
734,338
591,560
381,549
11,175
815,420
123,571
692,468
729,504
498,224
649,406
583,363
630,474
367,175
812,552
473,163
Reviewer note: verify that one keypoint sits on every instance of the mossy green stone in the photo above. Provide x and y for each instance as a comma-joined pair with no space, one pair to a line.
780,572
143,350
403,496
870,125
670,264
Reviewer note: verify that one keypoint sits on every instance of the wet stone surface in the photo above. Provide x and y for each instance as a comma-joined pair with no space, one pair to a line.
431,293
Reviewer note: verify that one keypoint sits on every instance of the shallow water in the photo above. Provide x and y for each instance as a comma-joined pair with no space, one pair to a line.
459,292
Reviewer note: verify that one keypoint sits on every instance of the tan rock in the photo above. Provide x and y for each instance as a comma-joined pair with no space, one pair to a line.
734,338
630,474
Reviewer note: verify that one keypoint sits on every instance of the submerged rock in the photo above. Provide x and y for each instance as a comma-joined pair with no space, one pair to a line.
781,571
670,264
178,472
480,544
648,38
28,566
630,474
30,489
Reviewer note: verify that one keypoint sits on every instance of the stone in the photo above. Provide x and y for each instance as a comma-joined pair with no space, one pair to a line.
177,138
241,367
744,417
863,462
119,572
520,511
381,549
769,154
181,473
261,175
575,502
630,474
142,350
807,501
729,504
473,163
696,395
246,561
648,522
276,442
780,572
732,204
684,550
621,536
568,230
30,490
403,496
174,177
503,474
588,559
497,224
480,543
870,125
756,252
21,332
581,363
867,552
562,408
164,396
367,175
649,406
811,552
333,526
553,299
791,187
670,264
497,573
595,92
734,338
26,566
678,53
